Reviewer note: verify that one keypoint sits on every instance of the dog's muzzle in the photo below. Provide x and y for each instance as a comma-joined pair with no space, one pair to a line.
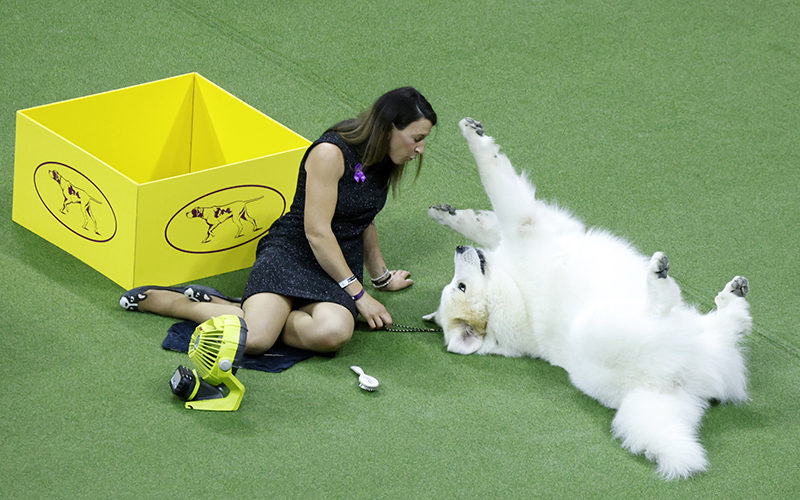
481,257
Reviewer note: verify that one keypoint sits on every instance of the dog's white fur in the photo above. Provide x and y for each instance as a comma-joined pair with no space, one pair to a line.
545,286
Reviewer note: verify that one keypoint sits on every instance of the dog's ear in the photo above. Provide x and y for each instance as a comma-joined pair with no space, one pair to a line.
434,317
464,340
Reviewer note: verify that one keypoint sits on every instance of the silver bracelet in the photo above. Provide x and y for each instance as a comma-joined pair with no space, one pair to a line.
347,281
385,283
380,278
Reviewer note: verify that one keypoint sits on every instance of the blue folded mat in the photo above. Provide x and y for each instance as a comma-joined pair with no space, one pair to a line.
280,356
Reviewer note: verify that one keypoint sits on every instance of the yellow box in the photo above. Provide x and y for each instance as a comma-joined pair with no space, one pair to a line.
156,184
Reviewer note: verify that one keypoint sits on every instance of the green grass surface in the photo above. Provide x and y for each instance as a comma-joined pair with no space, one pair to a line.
674,124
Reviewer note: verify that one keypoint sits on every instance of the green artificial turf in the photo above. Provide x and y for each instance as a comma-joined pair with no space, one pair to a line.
674,124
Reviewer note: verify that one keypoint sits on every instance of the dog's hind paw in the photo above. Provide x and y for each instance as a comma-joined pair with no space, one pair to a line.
659,265
738,286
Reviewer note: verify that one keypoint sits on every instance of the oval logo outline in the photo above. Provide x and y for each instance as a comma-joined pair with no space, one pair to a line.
183,210
58,180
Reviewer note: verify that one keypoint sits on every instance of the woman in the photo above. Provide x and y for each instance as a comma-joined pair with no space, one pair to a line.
306,283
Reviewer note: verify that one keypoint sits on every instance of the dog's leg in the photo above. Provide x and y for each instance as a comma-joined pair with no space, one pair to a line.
239,226
731,321
85,211
664,428
481,228
245,215
210,232
733,310
89,216
663,292
512,197
737,287
723,330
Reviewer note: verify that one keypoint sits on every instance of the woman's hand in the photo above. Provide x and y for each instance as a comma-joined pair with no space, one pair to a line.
373,312
400,280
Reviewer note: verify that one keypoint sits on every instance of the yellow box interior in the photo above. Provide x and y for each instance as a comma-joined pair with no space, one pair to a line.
166,128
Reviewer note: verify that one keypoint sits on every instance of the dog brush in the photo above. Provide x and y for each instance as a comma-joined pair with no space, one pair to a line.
366,382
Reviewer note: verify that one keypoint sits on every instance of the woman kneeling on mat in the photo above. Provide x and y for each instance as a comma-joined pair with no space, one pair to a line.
305,285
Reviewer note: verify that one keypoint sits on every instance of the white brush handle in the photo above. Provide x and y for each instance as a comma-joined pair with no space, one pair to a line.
365,381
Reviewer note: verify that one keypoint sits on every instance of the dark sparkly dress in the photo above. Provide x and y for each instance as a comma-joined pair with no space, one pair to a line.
286,265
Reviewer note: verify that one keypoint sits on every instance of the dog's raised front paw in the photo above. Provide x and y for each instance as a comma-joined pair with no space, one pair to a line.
442,207
468,124
441,213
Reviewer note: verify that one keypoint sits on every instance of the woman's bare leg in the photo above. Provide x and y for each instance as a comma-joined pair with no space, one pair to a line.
177,305
265,315
320,327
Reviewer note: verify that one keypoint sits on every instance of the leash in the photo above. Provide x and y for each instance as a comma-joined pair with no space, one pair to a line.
406,329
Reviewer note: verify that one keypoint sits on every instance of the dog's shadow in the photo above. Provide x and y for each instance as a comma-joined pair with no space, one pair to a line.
541,380
537,378
553,384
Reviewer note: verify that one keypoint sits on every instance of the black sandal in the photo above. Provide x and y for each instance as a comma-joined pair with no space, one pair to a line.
196,293
200,293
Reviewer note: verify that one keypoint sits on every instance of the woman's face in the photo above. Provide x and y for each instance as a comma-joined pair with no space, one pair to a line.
406,144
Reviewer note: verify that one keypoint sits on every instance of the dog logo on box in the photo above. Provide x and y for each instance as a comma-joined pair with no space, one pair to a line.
235,211
224,219
75,201
74,195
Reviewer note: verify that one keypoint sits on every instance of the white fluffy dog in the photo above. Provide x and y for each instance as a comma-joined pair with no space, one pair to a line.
545,286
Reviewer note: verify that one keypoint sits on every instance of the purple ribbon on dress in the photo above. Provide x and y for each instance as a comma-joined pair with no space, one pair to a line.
359,177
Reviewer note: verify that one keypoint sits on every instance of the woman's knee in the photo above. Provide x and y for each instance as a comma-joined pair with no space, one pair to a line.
261,336
264,316
333,337
258,343
320,327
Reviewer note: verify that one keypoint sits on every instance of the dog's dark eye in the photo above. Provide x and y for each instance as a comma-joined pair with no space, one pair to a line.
462,287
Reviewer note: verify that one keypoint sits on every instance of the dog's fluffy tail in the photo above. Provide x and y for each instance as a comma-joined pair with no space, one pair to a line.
664,428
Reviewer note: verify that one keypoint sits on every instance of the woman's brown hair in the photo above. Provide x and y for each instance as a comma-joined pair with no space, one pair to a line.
371,131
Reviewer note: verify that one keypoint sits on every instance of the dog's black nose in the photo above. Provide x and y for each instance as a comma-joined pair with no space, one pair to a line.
460,249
